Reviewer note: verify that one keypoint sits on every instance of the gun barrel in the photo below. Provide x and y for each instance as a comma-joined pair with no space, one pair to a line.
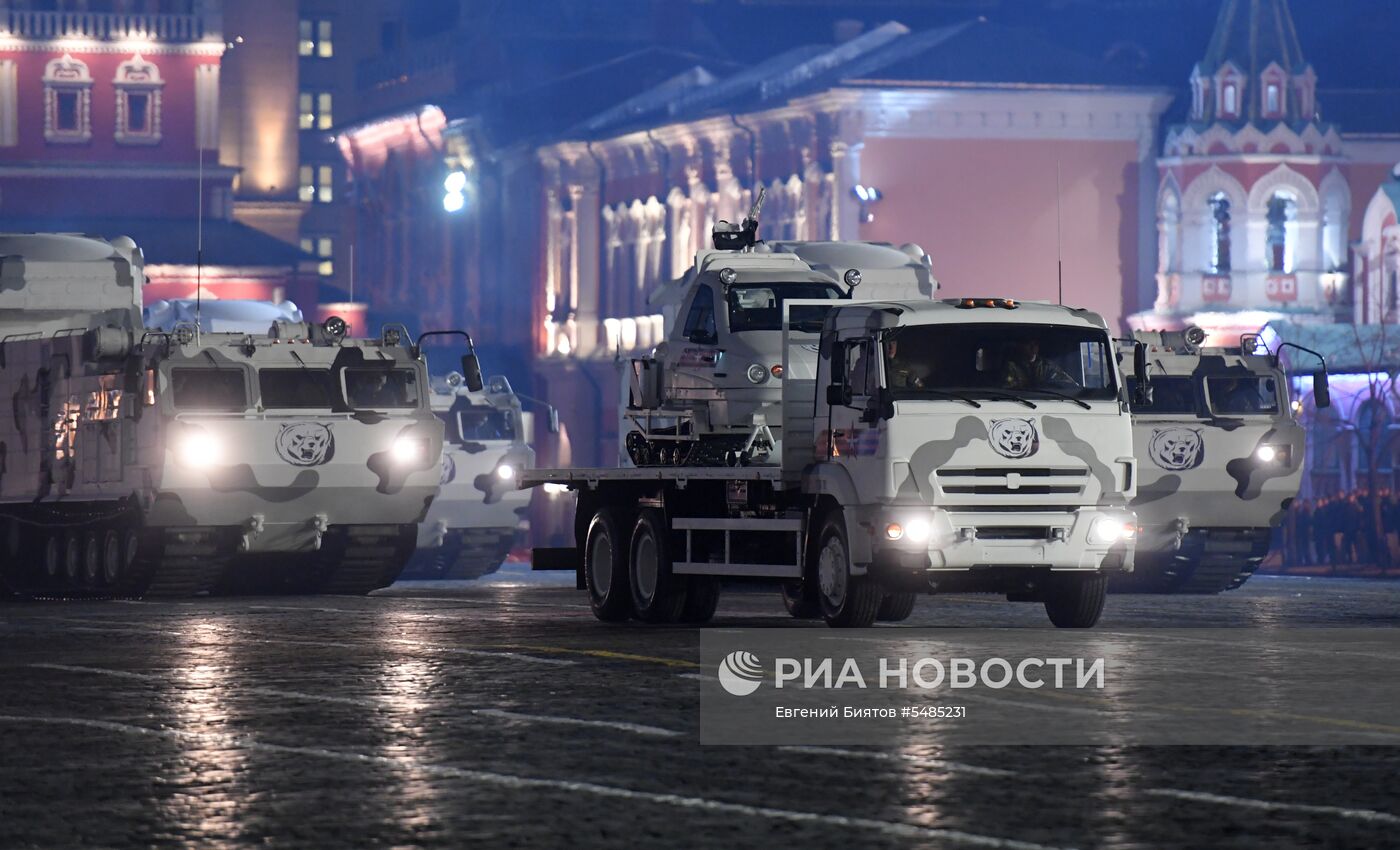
757,206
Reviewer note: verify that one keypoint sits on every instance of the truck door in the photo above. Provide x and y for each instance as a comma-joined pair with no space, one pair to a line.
854,432
698,354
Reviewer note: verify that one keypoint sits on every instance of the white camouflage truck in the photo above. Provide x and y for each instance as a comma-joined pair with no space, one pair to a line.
172,462
1221,459
711,393
978,445
472,524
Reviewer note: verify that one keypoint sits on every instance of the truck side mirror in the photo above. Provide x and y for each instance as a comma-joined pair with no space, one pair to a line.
553,420
1322,393
838,395
1143,396
471,371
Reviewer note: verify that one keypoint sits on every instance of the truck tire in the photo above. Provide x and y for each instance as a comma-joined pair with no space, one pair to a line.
701,600
1076,601
847,601
897,606
800,600
657,595
605,567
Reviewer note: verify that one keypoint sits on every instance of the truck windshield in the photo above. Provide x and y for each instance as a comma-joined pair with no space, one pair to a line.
1242,394
1174,395
209,389
477,423
759,306
381,389
297,388
989,360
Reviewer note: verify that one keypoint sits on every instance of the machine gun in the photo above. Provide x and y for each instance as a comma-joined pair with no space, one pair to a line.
728,237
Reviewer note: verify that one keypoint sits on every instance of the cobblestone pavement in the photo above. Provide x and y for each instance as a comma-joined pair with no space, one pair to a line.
503,714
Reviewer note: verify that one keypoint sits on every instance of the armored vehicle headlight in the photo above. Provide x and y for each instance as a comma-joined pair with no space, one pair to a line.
918,530
198,449
1111,529
505,472
727,276
894,531
852,278
406,450
1271,454
757,374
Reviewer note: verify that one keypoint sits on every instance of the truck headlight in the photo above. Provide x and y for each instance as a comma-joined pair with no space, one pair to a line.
408,450
757,374
1107,530
505,472
199,449
916,530
1271,454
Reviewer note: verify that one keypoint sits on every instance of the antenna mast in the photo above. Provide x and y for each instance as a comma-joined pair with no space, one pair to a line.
1059,255
199,250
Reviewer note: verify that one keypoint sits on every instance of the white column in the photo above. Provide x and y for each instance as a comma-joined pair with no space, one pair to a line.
206,107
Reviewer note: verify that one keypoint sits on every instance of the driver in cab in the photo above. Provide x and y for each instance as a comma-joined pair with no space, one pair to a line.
1026,369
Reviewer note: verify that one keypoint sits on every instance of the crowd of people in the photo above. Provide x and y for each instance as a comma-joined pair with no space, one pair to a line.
1341,530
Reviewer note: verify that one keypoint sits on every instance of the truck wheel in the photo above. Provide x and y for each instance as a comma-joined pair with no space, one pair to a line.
92,560
701,600
53,556
896,607
847,601
605,567
657,595
1076,601
800,600
112,566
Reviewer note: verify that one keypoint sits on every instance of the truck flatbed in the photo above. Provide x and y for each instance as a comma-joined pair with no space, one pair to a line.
678,474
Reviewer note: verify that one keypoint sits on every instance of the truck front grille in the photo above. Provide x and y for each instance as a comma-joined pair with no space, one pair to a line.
1020,481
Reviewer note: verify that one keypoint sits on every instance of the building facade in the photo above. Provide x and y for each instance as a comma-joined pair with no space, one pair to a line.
110,123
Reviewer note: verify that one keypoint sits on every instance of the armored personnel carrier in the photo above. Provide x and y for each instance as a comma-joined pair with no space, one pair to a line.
1219,458
171,462
471,526
711,393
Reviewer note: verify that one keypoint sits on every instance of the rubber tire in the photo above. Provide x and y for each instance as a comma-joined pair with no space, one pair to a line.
861,600
92,560
668,597
53,557
113,566
72,558
613,603
701,600
800,600
897,606
1076,601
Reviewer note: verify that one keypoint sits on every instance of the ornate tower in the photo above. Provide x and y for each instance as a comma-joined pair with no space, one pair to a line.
1253,203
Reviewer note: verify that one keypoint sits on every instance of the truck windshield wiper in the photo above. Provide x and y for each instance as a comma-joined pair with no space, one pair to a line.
1056,394
948,394
1027,402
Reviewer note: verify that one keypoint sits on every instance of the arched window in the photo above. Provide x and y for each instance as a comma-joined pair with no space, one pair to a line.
1230,101
1282,237
1220,233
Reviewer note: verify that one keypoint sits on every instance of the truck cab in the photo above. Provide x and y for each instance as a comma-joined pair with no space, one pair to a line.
974,444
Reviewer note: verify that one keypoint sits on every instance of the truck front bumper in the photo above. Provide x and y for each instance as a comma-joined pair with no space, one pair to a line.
1077,539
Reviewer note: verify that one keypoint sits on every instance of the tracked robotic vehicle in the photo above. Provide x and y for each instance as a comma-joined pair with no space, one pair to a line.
711,393
1220,458
170,462
471,526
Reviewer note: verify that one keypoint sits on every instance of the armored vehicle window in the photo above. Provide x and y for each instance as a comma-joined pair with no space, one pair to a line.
700,321
987,360
381,388
483,422
1242,395
297,388
1170,395
759,307
209,389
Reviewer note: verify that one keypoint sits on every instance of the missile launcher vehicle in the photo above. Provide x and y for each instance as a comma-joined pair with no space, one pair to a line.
171,462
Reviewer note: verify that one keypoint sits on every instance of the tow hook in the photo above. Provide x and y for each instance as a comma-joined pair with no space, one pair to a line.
319,524
1179,528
